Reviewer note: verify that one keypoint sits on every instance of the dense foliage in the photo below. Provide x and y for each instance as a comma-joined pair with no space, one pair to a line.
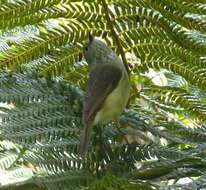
161,144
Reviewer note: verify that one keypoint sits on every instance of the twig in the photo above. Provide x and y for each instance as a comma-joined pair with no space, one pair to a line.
110,22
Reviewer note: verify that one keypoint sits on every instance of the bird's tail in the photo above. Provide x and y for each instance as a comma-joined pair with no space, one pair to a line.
84,141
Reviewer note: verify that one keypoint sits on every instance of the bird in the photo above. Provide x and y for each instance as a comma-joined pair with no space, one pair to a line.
108,88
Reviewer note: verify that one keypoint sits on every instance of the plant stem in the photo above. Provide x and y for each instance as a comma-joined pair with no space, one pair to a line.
110,22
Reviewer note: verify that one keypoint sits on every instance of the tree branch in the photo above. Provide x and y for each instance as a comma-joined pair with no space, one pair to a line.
110,22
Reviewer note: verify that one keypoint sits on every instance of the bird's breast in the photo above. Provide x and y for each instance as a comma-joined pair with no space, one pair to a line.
114,103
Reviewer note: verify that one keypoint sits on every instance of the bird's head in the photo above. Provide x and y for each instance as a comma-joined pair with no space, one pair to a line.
95,50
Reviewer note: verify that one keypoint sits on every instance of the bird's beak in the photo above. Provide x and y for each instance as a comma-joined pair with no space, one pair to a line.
90,38
90,41
80,56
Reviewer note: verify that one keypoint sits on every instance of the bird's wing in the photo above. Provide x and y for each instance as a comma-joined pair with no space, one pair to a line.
103,79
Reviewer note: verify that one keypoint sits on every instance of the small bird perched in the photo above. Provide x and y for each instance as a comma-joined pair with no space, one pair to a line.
108,88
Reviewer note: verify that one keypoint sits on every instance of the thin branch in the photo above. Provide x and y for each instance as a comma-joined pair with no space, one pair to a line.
110,22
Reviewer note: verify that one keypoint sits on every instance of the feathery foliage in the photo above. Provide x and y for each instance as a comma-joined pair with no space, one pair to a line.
162,140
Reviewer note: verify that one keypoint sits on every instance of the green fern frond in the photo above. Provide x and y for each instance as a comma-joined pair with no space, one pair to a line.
140,124
77,75
135,35
47,42
35,18
73,179
179,97
173,31
19,35
42,108
18,8
60,61
88,11
29,132
16,174
172,59
186,7
167,171
55,162
7,159
193,1
196,135
178,17
30,50
111,182
178,174
39,112
7,145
